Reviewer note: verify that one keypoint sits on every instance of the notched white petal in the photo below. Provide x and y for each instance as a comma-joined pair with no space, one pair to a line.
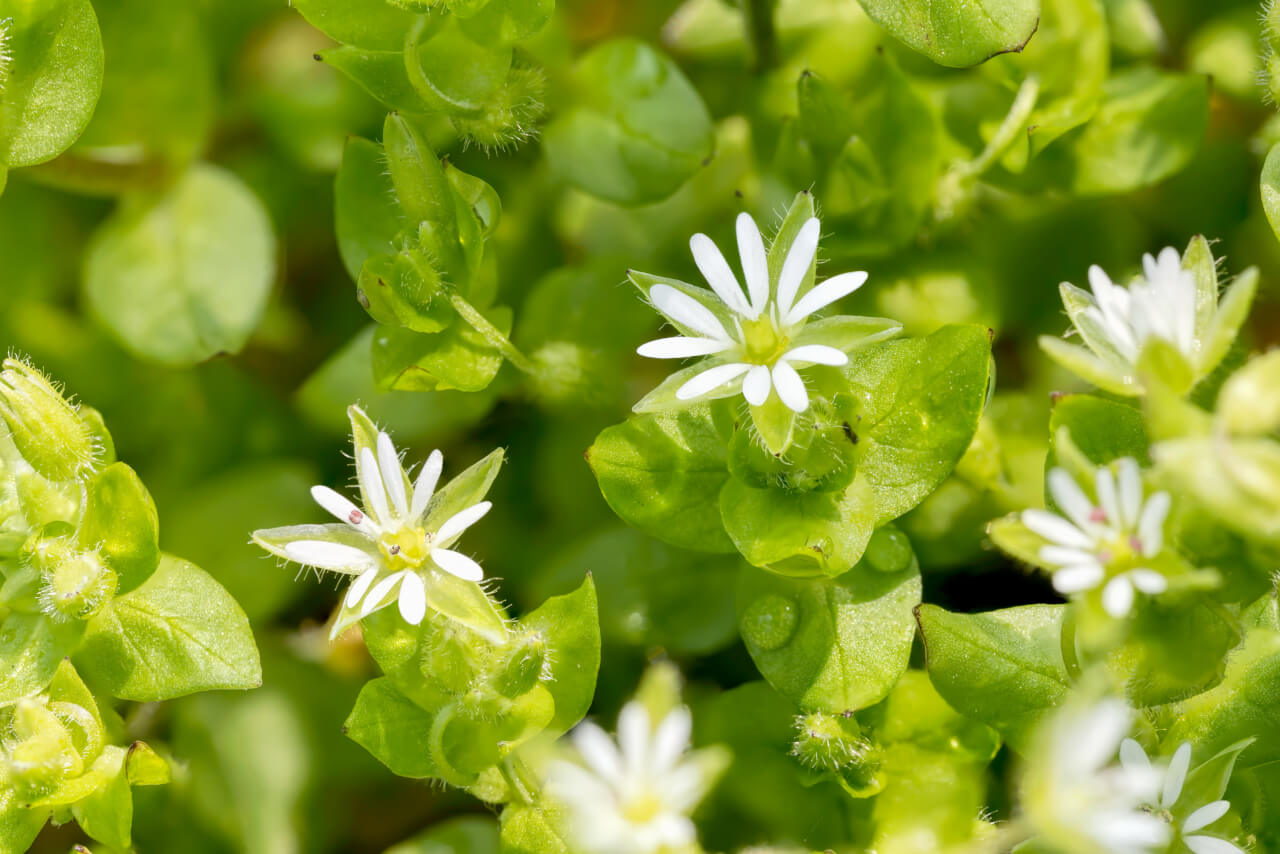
799,258
790,387
716,271
710,380
816,354
425,486
460,521
392,475
687,311
680,347
325,555
458,564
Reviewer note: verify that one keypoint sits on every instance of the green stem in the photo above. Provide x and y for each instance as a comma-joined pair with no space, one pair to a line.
762,39
435,744
1014,122
518,778
492,334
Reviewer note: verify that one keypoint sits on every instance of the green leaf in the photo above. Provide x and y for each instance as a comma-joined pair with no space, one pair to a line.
799,534
373,24
831,645
395,730
178,633
53,76
1246,704
107,813
957,33
1104,430
184,275
120,520
457,358
532,829
452,70
914,409
652,594
381,73
1004,668
1270,185
29,655
365,220
663,474
571,627
638,130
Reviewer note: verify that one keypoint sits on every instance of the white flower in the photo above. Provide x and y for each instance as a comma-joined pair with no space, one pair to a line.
1110,538
1133,757
386,543
1077,796
1159,304
757,335
633,797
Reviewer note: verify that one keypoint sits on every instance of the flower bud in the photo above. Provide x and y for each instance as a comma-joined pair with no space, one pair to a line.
45,427
835,744
526,665
447,660
40,754
75,583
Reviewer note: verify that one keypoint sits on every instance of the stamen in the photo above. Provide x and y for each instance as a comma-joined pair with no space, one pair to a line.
1097,514
355,517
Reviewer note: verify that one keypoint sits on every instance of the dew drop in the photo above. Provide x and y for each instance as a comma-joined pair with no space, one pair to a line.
770,621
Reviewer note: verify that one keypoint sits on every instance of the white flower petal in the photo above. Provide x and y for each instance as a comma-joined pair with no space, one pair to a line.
1095,739
1073,579
1117,597
755,263
1205,816
790,387
598,751
1056,530
680,347
1068,495
687,311
1151,524
413,599
325,555
633,737
375,492
670,740
1105,484
1211,845
1123,829
342,508
1176,775
392,475
817,354
1148,581
375,597
822,295
710,380
1130,483
796,265
460,521
1133,758
458,564
360,586
425,486
756,385
1063,556
716,271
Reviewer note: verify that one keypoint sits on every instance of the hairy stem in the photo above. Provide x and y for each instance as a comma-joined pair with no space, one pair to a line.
492,334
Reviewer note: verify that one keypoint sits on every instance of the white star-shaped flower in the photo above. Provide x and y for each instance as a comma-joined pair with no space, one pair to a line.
1075,793
1133,757
633,796
757,337
387,544
1160,304
1108,540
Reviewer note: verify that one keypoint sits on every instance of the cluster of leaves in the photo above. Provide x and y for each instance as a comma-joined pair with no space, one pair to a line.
486,173
89,597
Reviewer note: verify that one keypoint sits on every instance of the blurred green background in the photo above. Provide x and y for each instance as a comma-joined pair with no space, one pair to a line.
234,442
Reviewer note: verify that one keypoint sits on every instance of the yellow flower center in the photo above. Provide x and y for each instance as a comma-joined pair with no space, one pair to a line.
406,548
762,341
643,808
